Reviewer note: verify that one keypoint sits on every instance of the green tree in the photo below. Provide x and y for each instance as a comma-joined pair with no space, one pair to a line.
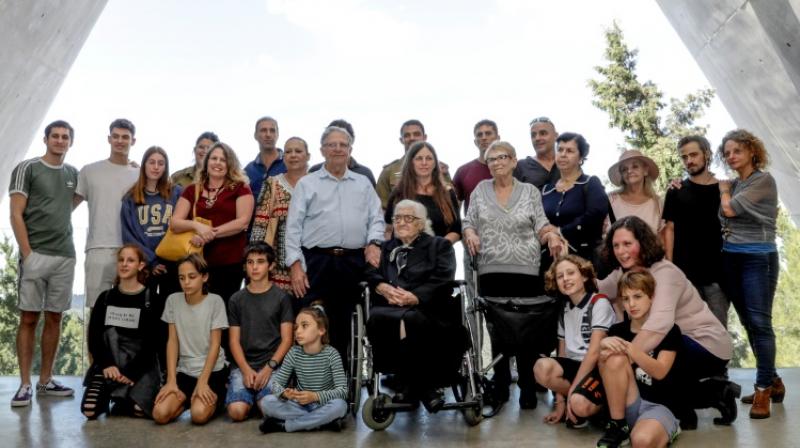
69,360
638,110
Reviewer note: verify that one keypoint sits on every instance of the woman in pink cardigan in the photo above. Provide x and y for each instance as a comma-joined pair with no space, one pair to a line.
707,347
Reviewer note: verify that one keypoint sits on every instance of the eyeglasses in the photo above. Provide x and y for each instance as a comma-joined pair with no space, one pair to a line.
334,145
408,219
499,157
540,120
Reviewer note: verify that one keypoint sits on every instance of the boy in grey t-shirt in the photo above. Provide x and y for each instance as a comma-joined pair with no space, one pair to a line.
261,326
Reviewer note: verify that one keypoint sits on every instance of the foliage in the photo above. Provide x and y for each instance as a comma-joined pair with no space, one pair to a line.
69,360
636,108
786,307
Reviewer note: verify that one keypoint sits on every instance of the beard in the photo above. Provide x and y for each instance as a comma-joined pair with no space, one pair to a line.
694,171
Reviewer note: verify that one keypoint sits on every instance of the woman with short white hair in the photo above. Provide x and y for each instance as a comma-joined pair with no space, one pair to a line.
415,325
504,230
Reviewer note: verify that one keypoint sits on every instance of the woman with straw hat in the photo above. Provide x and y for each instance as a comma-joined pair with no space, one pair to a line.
635,173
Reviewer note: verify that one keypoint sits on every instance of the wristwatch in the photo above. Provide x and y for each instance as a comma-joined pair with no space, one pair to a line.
273,364
376,242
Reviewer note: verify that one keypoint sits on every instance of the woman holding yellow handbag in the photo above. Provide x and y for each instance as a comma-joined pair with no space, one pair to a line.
272,207
221,194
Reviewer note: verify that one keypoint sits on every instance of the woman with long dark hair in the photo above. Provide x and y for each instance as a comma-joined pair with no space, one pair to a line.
421,181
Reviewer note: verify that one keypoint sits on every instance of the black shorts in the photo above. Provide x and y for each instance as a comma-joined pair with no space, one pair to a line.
218,382
591,386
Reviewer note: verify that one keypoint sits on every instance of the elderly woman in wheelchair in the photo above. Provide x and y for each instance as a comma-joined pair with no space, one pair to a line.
414,324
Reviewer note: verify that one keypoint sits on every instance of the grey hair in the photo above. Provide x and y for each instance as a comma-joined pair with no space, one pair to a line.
419,211
331,129
503,146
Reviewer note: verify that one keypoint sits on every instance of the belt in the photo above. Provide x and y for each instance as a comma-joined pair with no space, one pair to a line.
336,251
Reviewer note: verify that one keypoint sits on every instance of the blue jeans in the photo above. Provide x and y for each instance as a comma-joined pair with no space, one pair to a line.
298,417
750,281
237,391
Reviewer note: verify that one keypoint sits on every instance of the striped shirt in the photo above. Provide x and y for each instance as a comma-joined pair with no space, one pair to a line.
321,373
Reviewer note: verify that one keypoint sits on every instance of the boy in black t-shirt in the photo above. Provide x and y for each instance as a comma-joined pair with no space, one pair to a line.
261,326
651,381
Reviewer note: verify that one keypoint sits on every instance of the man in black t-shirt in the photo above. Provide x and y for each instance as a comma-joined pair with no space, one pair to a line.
693,234
540,169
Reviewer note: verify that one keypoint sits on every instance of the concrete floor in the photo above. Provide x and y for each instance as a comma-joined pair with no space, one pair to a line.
57,422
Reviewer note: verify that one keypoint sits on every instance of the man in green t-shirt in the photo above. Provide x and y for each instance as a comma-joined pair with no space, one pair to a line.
41,193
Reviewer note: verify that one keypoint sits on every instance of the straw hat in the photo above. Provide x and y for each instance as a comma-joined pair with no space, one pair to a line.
614,174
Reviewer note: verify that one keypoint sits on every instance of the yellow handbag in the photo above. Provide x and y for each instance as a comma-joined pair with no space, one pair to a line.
174,246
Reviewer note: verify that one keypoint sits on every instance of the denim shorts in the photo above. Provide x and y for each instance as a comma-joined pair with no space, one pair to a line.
237,391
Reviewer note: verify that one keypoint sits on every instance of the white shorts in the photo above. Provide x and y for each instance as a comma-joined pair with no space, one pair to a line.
45,283
101,269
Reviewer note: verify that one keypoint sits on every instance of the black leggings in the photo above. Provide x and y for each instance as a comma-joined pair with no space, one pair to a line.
97,397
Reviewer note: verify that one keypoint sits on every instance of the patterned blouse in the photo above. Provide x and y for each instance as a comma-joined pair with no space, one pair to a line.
273,204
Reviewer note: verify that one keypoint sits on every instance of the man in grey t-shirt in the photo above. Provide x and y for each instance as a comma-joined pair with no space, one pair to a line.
41,204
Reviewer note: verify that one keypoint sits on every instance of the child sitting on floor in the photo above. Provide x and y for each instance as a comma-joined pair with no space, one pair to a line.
196,367
586,318
637,399
318,400
261,320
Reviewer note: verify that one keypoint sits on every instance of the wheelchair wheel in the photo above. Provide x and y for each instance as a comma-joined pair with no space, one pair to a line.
473,415
376,419
463,393
356,358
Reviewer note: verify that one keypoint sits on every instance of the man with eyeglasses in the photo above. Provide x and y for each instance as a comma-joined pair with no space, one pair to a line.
540,169
269,161
411,131
334,227
469,175
352,165
185,176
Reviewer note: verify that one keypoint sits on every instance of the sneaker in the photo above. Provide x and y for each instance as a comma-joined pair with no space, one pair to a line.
54,388
23,396
270,425
579,423
615,436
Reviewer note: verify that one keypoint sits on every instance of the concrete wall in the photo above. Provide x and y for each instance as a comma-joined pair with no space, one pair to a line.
750,52
39,41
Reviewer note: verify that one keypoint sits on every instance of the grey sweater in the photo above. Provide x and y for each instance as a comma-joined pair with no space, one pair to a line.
509,235
755,201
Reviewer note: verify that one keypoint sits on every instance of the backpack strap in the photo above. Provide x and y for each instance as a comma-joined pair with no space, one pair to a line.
611,217
590,305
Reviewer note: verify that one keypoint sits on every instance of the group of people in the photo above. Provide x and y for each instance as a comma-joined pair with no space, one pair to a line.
627,288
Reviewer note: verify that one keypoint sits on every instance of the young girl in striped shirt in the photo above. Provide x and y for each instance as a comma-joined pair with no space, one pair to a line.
318,400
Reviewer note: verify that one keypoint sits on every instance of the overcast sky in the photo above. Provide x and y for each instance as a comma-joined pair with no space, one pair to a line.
178,68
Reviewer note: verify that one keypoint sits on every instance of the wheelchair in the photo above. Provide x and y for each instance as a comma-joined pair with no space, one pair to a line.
467,383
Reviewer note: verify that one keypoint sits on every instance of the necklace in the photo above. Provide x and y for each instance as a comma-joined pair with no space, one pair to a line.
210,201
